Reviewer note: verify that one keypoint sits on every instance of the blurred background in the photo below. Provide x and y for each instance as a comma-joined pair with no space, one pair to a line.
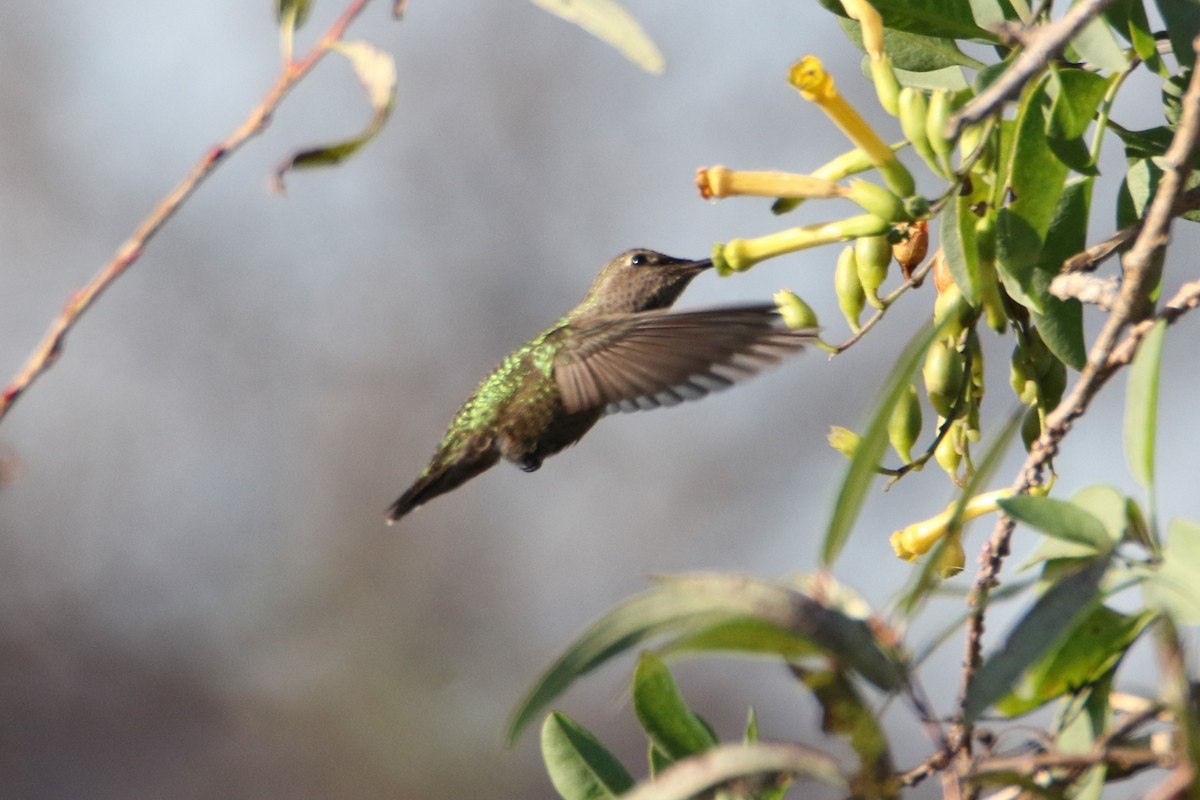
198,595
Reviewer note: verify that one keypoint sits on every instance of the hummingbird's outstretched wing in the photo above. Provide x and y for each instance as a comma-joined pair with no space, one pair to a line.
627,362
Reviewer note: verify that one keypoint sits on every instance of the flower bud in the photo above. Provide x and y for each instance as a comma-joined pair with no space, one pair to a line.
943,374
948,453
844,440
877,200
1031,427
796,313
914,112
904,426
848,287
872,254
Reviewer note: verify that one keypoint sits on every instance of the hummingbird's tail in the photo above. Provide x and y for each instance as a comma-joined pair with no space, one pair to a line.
439,479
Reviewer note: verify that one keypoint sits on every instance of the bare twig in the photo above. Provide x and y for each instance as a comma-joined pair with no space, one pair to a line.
1089,259
1087,289
1041,45
82,299
1100,367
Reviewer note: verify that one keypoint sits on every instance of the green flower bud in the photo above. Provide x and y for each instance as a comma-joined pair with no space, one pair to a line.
943,374
948,453
970,140
940,108
797,314
887,88
877,200
848,287
993,305
1021,374
914,111
953,309
844,440
872,254
904,426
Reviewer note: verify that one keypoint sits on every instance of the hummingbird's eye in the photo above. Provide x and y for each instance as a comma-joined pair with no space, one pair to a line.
638,259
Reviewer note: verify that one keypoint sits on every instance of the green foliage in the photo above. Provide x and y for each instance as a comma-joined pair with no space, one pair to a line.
1015,191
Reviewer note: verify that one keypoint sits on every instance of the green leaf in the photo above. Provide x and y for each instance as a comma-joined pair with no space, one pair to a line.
1182,23
961,248
926,17
861,471
1099,47
1078,730
741,635
609,22
578,765
1172,587
1059,519
684,605
1128,17
946,78
846,714
913,52
692,777
1082,656
664,715
1145,144
1060,322
376,70
1036,177
1141,406
1056,610
1109,506
1077,95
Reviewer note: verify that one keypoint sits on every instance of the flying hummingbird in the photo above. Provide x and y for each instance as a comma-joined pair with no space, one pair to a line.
618,350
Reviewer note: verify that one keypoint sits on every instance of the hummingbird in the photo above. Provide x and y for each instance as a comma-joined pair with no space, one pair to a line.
621,349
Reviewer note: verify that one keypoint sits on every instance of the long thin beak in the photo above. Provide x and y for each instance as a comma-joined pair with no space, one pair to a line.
698,266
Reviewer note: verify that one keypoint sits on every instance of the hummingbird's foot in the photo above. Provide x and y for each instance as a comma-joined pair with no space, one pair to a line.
530,462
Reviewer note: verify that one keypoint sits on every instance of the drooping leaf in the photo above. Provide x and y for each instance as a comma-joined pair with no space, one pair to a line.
861,472
376,70
578,765
666,718
845,713
692,777
1060,519
1077,97
681,606
609,22
1084,654
1042,626
1097,45
1060,322
1128,17
1141,407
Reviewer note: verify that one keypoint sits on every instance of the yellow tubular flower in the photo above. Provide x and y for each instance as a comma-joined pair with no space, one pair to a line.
920,537
718,182
738,255
808,76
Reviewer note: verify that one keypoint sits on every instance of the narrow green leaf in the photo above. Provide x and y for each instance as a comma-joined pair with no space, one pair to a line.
1141,407
1077,97
664,715
961,248
578,765
1060,519
1128,17
861,471
1083,655
950,78
751,734
1172,587
684,605
1036,177
1078,731
376,70
741,635
609,22
1055,611
690,778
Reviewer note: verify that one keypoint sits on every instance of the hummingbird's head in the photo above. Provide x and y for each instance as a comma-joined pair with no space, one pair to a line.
641,280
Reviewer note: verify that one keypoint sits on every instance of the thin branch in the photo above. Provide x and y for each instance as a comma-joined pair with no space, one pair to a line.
1041,45
1135,288
82,299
